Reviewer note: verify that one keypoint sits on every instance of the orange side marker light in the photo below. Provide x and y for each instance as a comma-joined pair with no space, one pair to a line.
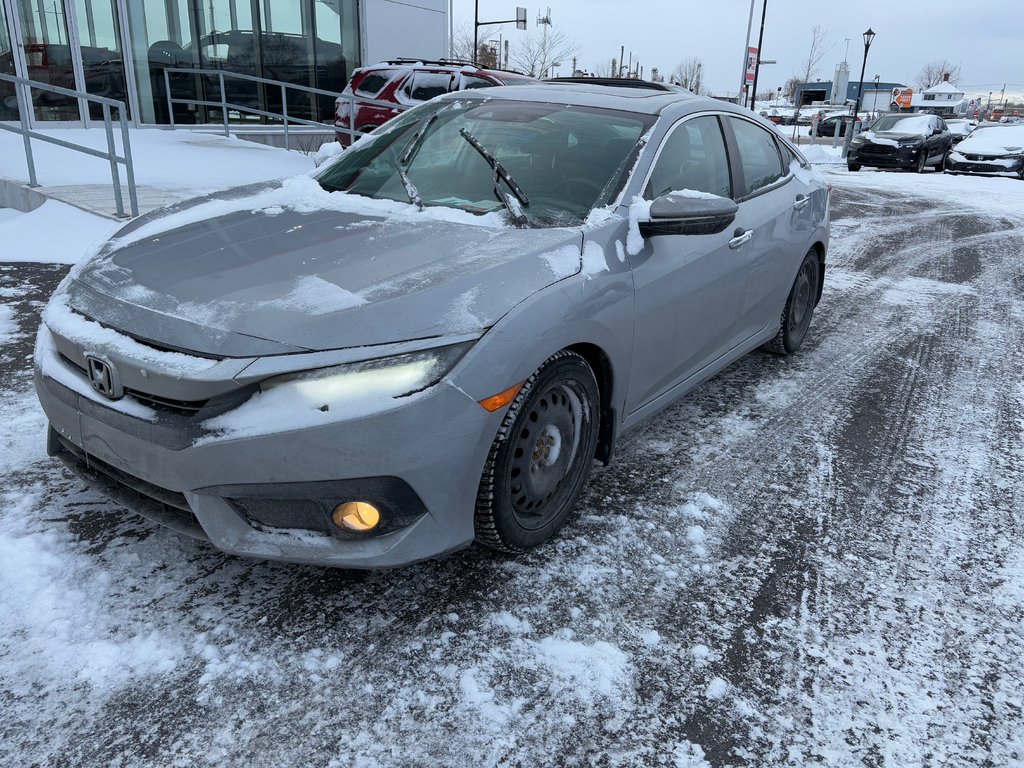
500,400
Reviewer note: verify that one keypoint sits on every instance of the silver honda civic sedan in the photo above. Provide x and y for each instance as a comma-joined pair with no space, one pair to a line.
428,342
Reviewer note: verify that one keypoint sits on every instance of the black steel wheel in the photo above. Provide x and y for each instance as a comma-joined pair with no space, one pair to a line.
541,456
799,309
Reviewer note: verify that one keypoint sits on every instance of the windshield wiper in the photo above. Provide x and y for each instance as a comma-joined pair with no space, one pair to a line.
513,204
410,149
410,188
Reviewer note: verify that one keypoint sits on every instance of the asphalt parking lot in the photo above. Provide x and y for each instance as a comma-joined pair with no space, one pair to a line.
808,561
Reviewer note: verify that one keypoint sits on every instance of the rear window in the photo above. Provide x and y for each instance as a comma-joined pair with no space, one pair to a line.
472,81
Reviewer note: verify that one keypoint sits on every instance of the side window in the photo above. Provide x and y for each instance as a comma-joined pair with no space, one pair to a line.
372,84
472,81
692,157
759,156
426,85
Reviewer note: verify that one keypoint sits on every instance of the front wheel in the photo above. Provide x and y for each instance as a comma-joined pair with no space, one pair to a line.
796,315
854,167
922,161
540,457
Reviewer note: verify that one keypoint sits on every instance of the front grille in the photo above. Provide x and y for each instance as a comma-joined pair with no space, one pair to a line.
161,505
980,168
978,157
874,150
183,407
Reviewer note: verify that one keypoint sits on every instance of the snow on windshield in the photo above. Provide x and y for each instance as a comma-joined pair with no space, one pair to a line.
913,124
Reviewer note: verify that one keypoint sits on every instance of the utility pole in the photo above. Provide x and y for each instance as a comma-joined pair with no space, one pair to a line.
519,21
622,58
757,65
746,55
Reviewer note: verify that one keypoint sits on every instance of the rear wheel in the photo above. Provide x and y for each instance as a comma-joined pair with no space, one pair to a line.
796,315
540,457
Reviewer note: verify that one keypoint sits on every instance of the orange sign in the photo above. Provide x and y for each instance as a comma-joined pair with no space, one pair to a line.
904,98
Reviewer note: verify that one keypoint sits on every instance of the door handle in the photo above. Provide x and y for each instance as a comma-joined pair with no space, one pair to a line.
739,237
801,202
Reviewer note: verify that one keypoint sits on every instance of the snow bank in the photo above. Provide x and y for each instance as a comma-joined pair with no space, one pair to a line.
54,233
180,160
819,154
8,325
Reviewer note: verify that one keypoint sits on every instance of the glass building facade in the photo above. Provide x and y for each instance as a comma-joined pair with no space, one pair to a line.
121,49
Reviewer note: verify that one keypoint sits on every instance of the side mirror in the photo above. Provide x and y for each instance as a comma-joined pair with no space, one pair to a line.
689,213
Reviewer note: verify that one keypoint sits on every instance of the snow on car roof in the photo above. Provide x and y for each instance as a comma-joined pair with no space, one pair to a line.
609,97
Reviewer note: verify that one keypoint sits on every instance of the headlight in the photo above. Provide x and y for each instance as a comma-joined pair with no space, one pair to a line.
369,380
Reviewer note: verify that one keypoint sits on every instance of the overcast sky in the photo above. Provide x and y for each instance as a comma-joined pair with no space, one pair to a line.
983,36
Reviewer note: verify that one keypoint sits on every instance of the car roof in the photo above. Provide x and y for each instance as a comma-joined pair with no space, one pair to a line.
609,97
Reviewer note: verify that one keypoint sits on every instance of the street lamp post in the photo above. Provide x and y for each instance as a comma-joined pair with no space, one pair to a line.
869,36
874,101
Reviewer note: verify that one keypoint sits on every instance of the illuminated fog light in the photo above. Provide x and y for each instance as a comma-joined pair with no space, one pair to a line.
356,516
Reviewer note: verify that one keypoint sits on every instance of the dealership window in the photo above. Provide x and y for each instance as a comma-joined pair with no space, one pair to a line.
305,42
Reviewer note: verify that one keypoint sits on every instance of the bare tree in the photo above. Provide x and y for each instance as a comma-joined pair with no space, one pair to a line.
809,67
817,51
535,55
689,73
462,42
934,72
790,86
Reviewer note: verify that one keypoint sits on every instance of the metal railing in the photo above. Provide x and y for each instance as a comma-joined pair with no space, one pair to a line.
23,90
286,119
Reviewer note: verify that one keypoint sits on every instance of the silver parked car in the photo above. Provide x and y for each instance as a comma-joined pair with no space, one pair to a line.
428,342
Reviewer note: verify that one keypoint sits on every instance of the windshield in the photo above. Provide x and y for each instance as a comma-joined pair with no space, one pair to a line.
903,124
564,159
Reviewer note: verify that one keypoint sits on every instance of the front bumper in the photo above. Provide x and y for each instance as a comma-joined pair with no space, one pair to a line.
958,163
423,459
883,156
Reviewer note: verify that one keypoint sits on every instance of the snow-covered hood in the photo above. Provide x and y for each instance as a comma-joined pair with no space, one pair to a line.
994,141
260,280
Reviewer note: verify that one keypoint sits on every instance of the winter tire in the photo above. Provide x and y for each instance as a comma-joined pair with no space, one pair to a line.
796,316
541,456
922,161
854,167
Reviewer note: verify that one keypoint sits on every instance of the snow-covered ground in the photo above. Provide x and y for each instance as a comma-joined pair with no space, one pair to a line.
182,160
55,232
811,561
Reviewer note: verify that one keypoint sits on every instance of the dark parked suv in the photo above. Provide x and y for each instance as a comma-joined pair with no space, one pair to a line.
406,83
902,141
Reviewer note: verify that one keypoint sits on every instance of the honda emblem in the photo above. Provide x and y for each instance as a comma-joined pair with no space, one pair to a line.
103,377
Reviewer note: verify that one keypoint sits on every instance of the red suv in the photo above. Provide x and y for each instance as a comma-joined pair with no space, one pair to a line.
406,83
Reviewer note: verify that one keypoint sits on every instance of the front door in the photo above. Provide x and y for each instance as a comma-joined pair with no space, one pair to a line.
689,289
